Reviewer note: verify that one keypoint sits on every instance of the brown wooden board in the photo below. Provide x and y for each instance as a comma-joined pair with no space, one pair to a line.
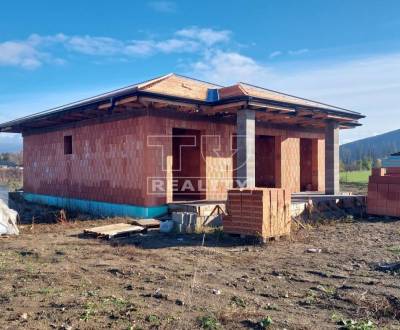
115,230
146,223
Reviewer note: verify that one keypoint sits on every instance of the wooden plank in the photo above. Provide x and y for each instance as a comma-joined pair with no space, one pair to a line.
274,108
304,113
104,106
110,231
148,100
229,107
340,118
127,100
145,223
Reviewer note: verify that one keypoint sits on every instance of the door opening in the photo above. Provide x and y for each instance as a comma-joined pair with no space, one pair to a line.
188,165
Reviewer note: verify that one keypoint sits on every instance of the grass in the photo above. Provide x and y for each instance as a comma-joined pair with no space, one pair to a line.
266,322
209,322
395,249
89,311
355,176
154,320
357,325
238,302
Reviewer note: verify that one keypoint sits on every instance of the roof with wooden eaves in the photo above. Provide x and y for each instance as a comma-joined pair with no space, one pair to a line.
181,91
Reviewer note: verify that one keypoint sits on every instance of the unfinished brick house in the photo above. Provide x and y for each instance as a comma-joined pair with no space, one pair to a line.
132,151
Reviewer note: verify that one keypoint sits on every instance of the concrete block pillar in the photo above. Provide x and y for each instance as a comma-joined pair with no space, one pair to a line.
332,159
246,147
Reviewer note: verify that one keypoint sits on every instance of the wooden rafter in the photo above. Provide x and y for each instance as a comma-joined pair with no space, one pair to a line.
146,101
229,107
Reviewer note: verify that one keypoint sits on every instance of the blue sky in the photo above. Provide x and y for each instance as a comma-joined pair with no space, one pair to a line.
346,53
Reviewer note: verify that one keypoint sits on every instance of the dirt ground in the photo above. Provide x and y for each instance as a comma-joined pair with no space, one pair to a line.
354,187
52,278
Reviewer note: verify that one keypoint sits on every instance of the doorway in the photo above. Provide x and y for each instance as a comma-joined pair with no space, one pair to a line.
266,161
187,165
307,168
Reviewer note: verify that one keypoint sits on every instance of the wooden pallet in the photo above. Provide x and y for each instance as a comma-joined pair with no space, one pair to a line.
145,223
113,231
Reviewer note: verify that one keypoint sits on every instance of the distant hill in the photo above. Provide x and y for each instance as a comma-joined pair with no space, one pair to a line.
374,147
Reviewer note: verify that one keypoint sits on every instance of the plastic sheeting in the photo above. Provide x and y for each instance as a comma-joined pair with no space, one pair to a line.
8,220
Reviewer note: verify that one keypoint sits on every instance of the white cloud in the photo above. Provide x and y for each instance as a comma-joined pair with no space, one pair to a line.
36,49
23,54
176,45
228,67
369,85
298,51
139,47
102,46
206,36
275,54
163,6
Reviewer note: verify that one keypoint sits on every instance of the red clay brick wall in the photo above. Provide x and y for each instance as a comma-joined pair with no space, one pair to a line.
218,154
287,157
216,150
111,161
106,164
290,163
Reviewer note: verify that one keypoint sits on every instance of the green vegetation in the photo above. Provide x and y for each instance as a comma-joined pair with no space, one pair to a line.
238,302
209,322
363,164
374,147
266,322
357,325
355,176
395,249
89,311
154,320
349,324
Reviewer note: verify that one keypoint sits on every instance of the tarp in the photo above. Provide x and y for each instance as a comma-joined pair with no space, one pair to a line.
8,220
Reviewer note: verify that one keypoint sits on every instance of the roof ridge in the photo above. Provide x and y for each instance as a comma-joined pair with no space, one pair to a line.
149,83
195,79
239,84
300,98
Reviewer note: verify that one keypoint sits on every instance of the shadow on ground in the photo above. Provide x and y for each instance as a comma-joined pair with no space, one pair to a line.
153,239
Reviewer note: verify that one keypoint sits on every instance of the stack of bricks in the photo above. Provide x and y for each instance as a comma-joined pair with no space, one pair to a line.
260,212
384,192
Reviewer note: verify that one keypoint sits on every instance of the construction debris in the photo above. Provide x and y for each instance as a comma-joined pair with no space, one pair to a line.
8,220
208,213
393,267
114,231
166,226
314,250
185,222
